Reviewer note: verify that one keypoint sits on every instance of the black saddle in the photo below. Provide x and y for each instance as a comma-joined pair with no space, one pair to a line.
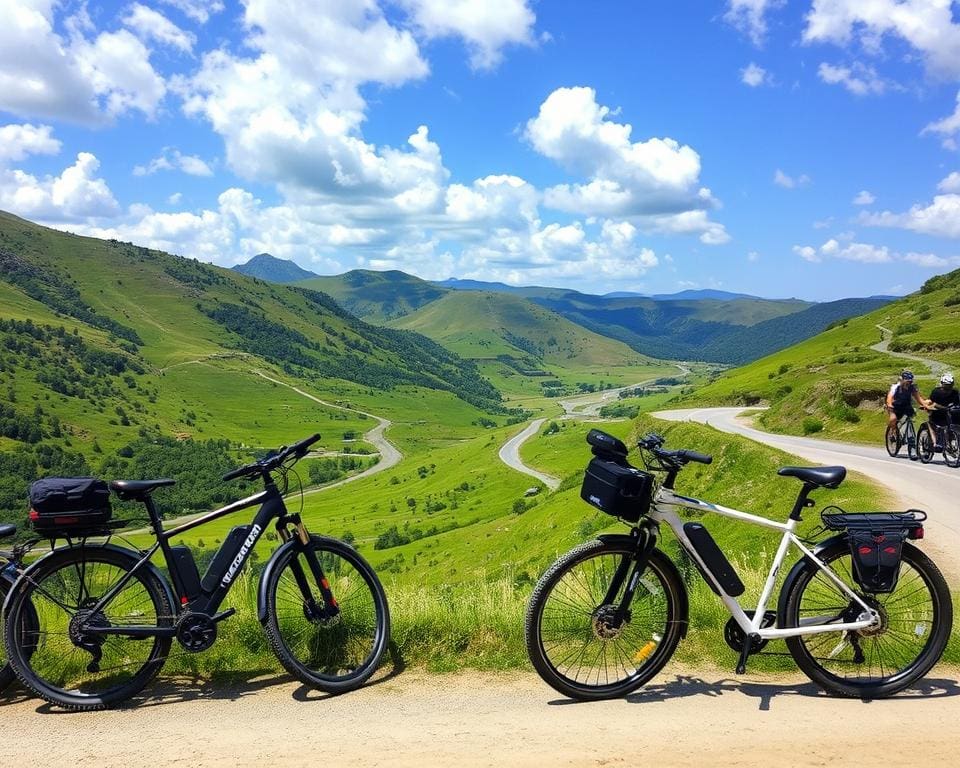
822,477
136,490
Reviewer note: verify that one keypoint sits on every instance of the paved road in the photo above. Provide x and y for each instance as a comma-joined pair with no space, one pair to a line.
932,487
510,455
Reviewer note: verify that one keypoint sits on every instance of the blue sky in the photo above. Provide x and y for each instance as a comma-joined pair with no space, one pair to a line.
782,148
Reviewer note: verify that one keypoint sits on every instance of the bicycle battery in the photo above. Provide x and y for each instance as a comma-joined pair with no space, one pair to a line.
225,555
187,577
715,560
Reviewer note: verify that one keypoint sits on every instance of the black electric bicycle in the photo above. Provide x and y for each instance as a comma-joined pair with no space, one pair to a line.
11,565
945,439
106,617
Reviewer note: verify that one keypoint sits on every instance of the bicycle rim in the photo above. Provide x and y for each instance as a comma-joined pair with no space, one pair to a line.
62,659
915,626
892,440
331,649
951,447
573,639
925,444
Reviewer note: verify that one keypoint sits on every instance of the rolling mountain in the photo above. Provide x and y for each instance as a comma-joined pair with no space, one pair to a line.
377,296
273,270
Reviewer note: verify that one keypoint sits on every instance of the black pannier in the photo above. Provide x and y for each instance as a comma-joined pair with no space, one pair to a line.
69,504
876,543
617,489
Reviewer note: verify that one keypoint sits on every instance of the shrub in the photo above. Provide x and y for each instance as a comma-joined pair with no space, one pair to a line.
812,425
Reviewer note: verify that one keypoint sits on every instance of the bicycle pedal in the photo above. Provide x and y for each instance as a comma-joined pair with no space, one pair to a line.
223,615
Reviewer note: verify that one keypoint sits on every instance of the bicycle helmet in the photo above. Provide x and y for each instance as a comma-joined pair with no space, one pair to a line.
906,375
947,379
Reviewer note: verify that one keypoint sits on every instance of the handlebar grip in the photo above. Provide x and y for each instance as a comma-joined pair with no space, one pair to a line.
304,444
700,458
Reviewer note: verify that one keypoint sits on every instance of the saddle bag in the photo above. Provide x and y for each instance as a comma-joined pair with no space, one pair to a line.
617,489
69,505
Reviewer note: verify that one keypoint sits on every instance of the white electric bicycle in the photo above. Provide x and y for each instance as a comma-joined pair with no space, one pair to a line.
864,612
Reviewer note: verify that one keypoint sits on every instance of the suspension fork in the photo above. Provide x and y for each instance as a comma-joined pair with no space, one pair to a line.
646,537
331,607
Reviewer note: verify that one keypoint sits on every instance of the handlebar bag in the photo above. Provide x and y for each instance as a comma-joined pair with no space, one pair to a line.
69,504
876,558
618,490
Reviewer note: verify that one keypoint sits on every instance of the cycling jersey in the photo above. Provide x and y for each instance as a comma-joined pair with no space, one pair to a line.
944,396
900,394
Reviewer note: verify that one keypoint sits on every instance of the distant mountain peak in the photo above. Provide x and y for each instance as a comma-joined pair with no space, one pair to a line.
273,270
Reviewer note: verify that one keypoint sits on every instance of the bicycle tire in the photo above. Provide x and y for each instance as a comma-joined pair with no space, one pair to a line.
892,440
911,435
6,671
951,447
51,662
335,654
564,622
925,444
916,619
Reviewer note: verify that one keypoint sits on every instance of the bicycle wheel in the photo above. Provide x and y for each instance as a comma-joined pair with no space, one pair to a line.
892,439
64,662
951,447
571,636
332,646
911,441
925,444
6,672
915,623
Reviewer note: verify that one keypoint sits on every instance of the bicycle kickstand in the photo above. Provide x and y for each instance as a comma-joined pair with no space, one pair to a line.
750,642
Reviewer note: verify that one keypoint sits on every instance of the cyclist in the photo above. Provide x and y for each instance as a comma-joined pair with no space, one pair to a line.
945,395
898,398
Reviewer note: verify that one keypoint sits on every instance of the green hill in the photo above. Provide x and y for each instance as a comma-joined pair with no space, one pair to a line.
836,380
107,348
377,296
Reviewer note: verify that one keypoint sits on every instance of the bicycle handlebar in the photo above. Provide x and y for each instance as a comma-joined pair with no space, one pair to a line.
654,444
273,460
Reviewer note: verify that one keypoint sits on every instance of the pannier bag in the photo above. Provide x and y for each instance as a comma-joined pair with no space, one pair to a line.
69,504
876,558
617,489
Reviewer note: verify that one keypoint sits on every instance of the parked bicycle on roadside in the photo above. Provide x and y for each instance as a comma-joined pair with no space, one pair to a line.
106,617
864,612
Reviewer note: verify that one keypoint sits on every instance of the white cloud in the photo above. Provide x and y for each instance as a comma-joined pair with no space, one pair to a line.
19,141
175,198
864,197
951,183
928,26
150,25
43,74
486,27
749,16
946,127
790,182
753,256
754,75
172,160
198,10
931,261
74,195
941,217
657,177
861,252
860,79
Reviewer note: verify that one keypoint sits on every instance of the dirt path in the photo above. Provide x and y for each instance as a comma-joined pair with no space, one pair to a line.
936,368
465,720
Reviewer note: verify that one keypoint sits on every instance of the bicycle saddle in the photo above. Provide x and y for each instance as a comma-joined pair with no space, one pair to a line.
137,489
7,530
825,477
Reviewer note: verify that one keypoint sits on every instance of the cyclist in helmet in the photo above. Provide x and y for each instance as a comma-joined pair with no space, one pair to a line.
898,398
944,396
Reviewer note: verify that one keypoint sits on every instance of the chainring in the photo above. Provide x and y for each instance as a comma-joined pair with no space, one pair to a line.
196,631
734,636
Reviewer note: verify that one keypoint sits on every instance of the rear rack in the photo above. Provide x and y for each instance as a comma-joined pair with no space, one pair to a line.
838,520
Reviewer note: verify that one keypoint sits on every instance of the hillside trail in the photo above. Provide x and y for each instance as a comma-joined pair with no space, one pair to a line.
936,368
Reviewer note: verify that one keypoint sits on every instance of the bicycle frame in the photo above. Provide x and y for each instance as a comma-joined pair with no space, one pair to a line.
665,509
272,506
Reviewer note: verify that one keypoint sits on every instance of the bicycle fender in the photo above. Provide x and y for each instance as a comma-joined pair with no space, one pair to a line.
684,607
801,565
133,557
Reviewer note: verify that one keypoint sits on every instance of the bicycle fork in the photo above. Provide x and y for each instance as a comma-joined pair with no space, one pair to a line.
646,540
315,612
